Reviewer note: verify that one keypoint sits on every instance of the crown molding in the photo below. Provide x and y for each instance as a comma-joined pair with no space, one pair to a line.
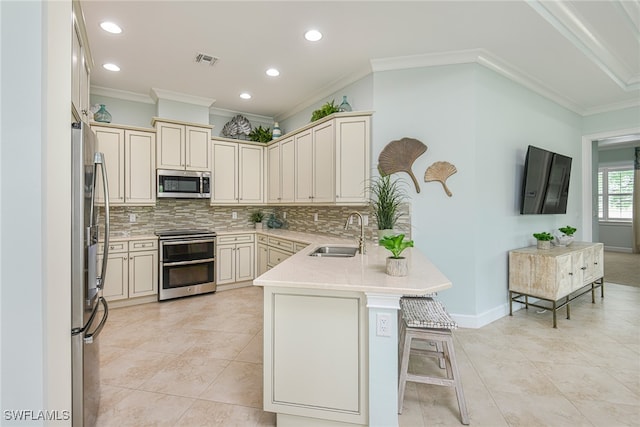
223,112
566,20
480,57
612,107
157,94
121,94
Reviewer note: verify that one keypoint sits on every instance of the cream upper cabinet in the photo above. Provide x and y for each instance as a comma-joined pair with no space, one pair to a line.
304,167
80,69
183,146
315,165
353,165
130,164
281,171
237,174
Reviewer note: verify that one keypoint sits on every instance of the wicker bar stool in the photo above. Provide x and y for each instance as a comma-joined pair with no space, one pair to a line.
425,319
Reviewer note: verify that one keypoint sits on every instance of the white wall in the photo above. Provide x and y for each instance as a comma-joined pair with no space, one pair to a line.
34,226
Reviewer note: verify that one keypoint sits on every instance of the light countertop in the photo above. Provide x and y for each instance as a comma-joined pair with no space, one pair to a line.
361,273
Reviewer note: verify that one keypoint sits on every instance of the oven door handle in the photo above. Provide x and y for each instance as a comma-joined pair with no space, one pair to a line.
187,242
198,261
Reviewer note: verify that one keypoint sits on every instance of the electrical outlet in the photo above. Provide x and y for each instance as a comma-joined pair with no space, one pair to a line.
234,215
284,215
383,324
315,217
133,218
350,219
366,219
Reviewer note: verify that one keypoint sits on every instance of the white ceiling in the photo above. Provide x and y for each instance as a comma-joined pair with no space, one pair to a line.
584,55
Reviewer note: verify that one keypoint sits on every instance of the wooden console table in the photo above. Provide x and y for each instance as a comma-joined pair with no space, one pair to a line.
557,275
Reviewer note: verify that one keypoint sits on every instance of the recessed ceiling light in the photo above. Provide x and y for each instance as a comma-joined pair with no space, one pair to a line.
245,95
111,27
273,72
313,35
111,67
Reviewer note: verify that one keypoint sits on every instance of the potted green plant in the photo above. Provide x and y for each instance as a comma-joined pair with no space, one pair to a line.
396,264
325,110
256,217
386,197
544,240
260,134
566,238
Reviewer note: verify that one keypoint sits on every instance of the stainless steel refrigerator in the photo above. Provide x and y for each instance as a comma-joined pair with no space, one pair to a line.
89,310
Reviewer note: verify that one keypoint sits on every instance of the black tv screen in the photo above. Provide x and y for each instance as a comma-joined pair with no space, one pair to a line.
545,183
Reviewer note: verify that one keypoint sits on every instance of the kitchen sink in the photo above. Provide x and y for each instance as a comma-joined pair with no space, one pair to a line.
335,251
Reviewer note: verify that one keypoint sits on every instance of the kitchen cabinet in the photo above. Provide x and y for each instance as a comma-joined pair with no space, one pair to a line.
237,173
183,146
281,172
132,269
80,68
315,178
353,167
130,163
557,275
262,254
235,258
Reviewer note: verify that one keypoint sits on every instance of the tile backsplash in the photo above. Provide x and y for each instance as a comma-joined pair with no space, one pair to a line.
190,213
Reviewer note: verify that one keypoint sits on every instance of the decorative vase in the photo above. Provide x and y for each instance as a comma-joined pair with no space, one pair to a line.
277,132
344,106
544,244
102,115
397,266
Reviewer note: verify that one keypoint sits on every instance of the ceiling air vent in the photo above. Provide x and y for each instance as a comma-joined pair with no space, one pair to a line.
203,58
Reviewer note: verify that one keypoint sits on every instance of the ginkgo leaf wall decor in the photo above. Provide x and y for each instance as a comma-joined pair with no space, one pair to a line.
399,156
440,171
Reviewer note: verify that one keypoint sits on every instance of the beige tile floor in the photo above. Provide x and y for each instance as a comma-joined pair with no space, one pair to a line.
198,362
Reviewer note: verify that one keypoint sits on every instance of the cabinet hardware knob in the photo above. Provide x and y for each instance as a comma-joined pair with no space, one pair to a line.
570,274
583,268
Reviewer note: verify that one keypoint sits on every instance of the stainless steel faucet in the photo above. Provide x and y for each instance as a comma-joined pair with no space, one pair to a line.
361,247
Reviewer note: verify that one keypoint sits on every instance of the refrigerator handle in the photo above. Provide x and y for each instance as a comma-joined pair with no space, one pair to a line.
99,160
88,337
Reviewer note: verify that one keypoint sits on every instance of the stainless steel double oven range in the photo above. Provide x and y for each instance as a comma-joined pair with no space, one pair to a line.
187,263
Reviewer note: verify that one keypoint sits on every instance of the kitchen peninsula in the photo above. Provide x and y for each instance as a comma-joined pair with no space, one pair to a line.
331,334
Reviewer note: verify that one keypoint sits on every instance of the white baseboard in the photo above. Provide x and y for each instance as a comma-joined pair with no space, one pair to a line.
618,249
483,319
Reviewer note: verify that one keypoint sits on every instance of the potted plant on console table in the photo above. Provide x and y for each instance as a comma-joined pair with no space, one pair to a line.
544,240
396,265
566,238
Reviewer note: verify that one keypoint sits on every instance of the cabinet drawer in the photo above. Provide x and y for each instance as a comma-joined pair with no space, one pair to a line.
285,245
142,245
297,247
262,238
235,238
114,247
276,256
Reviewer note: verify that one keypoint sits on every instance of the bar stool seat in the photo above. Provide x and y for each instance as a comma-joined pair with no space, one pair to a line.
426,319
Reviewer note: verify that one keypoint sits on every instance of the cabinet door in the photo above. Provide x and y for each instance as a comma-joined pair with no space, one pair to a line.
75,70
593,260
116,284
143,273
352,159
224,174
598,261
245,262
140,170
171,146
274,183
323,163
579,269
287,170
110,141
198,148
304,167
262,259
84,87
225,264
565,276
250,176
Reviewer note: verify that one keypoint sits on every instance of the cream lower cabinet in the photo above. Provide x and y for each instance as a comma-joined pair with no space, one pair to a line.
237,173
132,269
262,255
183,146
235,260
130,163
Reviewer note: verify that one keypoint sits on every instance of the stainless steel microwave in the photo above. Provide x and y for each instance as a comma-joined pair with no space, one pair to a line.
184,184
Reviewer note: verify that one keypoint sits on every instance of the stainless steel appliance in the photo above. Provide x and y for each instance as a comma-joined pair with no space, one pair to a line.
187,263
89,310
184,184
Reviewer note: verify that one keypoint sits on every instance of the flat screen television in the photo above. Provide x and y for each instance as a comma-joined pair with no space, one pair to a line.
545,183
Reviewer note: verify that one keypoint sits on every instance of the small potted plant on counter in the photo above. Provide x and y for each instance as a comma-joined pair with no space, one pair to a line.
566,238
256,217
544,240
396,264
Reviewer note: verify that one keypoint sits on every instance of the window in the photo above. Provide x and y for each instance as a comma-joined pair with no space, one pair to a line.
615,193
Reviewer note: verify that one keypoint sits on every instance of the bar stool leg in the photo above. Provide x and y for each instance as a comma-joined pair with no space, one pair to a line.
452,369
404,368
